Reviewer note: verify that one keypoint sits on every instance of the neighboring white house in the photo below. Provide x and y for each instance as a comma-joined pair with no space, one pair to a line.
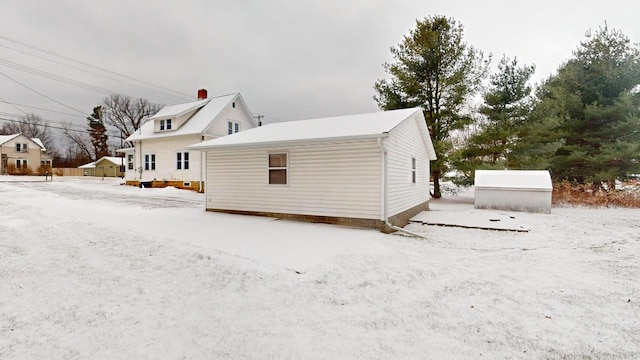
160,155
22,155
515,190
357,170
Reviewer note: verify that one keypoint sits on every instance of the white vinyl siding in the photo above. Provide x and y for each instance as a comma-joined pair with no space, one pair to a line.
341,179
166,150
404,144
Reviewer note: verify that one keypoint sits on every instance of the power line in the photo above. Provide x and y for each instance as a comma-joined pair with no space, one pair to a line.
92,66
25,117
41,94
54,77
35,107
91,72
36,124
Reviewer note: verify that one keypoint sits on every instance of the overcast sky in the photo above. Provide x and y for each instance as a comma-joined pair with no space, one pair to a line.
289,59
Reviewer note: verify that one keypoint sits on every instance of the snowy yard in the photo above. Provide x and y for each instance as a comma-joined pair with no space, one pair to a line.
93,270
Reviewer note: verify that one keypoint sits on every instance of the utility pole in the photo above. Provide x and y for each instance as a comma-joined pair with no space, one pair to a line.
259,117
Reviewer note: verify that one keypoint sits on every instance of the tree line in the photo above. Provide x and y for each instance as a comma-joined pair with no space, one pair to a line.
122,114
581,123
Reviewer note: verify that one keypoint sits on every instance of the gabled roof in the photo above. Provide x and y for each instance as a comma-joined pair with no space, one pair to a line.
90,165
6,138
372,125
179,109
112,159
208,111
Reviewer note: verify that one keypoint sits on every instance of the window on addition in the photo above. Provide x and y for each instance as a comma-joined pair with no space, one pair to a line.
278,168
130,162
413,170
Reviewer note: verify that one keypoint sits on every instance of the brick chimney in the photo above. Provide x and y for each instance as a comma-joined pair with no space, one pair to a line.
202,94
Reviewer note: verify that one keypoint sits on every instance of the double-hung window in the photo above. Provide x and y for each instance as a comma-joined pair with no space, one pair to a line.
130,162
150,161
22,148
182,161
278,169
21,163
165,124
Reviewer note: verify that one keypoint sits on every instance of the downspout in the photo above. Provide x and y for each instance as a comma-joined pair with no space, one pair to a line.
203,164
385,192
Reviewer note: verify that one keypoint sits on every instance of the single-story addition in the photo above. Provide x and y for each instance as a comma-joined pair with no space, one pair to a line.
515,190
367,170
106,166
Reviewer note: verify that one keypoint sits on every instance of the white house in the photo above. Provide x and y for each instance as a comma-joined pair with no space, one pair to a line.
20,154
368,170
515,190
160,155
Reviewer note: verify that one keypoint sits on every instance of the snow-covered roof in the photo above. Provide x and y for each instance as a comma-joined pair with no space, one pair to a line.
125,150
90,165
370,125
513,179
37,141
113,159
209,110
5,138
179,109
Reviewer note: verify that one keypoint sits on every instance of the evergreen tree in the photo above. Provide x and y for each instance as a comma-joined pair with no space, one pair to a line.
595,102
435,70
507,103
98,133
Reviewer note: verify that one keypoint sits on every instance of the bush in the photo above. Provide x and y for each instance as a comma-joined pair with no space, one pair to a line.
568,193
58,172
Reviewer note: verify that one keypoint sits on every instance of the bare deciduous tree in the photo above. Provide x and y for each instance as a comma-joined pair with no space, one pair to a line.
31,126
79,141
127,114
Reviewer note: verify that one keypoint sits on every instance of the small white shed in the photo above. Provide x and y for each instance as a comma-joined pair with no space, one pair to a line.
368,170
515,190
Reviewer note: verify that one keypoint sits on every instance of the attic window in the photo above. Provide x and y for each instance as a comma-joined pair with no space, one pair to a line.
233,104
165,124
232,127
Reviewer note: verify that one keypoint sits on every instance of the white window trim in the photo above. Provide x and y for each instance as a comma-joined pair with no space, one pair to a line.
278,168
183,160
235,127
168,125
130,162
150,162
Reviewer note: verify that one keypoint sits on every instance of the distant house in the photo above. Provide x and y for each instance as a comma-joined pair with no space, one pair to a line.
160,155
22,155
106,166
367,170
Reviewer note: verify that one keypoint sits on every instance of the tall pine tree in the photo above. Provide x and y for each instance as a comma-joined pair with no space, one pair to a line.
435,70
595,102
507,103
98,133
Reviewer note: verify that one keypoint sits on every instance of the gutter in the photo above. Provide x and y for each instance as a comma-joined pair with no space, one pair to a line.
385,190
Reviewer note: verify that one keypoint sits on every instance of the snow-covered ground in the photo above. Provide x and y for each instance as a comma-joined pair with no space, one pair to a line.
93,270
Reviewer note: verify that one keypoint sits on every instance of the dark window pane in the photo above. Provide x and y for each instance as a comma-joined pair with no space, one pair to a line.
277,160
278,177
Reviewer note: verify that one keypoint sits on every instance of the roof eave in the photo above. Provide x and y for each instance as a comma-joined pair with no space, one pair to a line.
280,143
